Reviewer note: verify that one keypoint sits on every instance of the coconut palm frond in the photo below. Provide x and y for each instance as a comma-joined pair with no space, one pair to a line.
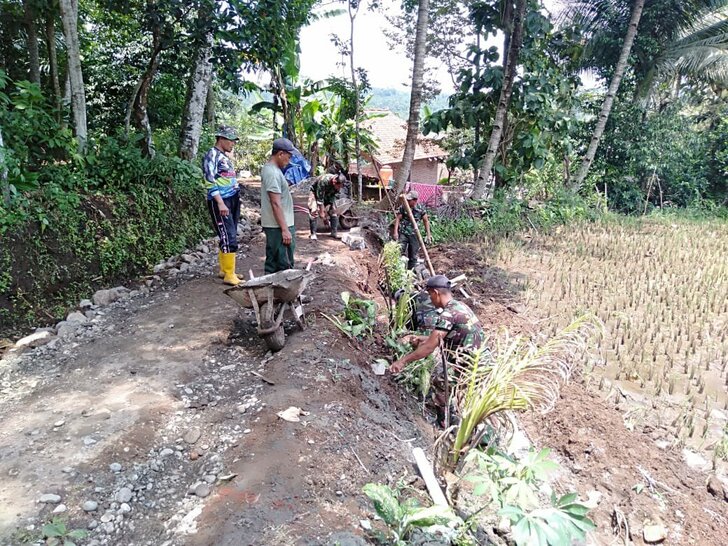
516,375
702,52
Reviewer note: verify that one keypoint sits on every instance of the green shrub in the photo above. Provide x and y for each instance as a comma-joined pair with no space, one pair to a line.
86,227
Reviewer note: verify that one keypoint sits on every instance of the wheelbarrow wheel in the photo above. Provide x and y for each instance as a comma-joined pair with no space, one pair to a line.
277,339
347,221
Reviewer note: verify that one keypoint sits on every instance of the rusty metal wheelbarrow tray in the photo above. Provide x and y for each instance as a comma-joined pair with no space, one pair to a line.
286,286
270,296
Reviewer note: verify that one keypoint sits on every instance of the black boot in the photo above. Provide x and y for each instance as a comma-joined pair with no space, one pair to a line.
334,221
313,226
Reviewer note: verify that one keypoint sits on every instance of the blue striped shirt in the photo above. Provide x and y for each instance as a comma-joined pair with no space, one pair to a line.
219,175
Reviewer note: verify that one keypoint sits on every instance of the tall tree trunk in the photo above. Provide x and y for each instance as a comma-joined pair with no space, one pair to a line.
50,32
31,30
611,93
4,186
418,71
197,91
516,39
69,16
210,102
353,11
139,114
476,91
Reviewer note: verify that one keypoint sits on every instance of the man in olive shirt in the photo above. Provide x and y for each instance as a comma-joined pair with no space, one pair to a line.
276,209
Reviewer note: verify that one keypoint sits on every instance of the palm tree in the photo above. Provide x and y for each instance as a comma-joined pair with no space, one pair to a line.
686,37
413,122
611,92
700,51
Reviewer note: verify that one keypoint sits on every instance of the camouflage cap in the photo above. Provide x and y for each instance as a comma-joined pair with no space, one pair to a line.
412,196
225,131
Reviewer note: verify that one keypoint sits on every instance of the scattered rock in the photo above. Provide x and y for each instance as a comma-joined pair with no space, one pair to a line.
188,258
66,329
166,452
85,304
115,467
202,490
354,242
90,506
192,435
59,509
88,441
593,499
654,533
695,461
35,339
124,508
379,367
60,423
717,488
76,316
517,308
105,297
124,495
346,539
49,498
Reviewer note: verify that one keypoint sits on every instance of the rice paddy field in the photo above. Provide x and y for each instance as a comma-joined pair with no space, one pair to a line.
660,289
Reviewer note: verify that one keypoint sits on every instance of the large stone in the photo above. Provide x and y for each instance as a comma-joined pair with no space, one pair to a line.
354,242
49,498
105,297
85,304
192,435
695,460
76,316
717,488
654,534
202,490
124,495
90,506
66,329
36,339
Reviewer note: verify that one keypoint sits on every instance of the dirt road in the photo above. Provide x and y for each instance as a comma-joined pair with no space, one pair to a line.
146,425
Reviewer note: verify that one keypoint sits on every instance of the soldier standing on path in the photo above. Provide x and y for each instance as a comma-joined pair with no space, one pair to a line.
276,209
223,200
404,231
321,201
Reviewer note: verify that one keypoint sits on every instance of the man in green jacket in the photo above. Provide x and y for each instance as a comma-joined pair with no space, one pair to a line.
276,209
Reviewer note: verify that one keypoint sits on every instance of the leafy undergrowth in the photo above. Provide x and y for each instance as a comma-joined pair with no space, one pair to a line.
516,374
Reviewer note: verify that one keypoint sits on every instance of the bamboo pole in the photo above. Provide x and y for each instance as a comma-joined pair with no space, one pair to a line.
419,235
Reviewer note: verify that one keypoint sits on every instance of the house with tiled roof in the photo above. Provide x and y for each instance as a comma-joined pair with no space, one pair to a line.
390,133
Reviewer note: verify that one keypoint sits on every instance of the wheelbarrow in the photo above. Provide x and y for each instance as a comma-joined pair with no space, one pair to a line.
270,296
347,219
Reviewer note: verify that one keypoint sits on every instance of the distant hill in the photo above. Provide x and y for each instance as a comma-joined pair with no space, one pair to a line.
398,101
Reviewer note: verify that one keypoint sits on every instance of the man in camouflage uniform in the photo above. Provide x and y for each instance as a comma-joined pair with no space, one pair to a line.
321,202
455,326
404,231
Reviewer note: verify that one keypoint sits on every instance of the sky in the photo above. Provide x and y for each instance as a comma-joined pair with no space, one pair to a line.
386,67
